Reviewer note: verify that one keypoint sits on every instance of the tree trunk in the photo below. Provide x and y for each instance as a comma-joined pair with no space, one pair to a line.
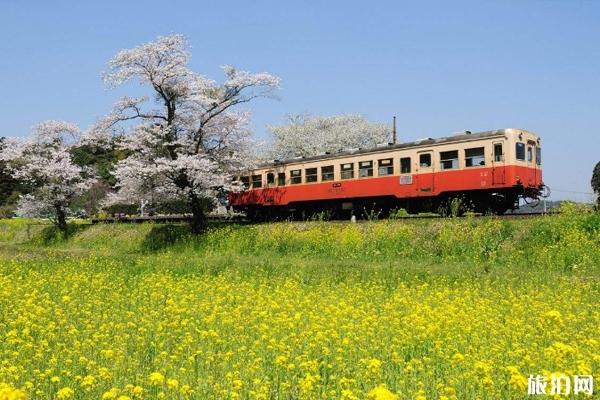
198,222
61,220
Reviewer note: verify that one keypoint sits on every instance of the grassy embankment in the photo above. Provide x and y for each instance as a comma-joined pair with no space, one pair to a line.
436,309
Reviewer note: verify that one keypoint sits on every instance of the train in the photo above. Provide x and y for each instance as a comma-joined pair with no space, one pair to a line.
490,172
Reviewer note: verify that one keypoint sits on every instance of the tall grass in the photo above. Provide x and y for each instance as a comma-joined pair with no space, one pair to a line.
564,242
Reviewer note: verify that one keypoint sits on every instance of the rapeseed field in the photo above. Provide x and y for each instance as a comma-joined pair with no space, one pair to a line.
457,309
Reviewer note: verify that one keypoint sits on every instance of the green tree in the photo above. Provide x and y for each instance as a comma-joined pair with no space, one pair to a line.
101,158
596,181
9,187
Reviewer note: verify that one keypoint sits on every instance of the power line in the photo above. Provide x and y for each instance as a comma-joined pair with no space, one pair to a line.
570,191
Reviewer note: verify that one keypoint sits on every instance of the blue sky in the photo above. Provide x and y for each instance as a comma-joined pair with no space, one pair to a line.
440,66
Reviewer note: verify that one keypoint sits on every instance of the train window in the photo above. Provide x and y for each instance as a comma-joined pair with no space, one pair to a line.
529,154
347,171
405,164
327,173
281,179
270,178
538,155
245,181
520,151
256,181
498,156
425,160
386,167
365,169
311,175
295,176
449,159
474,157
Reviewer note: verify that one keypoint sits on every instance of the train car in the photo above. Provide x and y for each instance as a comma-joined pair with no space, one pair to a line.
490,171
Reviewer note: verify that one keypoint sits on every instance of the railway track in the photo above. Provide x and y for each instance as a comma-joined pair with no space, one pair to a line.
242,220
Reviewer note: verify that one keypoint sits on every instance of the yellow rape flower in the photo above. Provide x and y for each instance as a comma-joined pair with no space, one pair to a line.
172,383
381,392
111,394
156,379
65,393
7,392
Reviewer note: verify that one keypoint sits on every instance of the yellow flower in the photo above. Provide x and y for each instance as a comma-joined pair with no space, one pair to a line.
458,358
381,392
104,373
172,383
281,360
237,384
487,381
161,327
186,390
156,379
88,381
516,380
7,392
111,394
554,315
138,391
308,382
107,353
374,366
65,393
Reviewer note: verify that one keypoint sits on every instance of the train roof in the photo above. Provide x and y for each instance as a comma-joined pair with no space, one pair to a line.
466,136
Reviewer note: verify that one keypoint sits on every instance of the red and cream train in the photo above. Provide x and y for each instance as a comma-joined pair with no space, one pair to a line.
489,170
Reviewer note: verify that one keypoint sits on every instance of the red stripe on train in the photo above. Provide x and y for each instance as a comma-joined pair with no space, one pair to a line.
422,185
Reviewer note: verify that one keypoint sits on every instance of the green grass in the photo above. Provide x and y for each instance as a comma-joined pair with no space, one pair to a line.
561,243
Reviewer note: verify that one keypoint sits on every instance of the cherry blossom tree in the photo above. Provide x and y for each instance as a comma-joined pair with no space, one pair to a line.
44,164
189,140
308,135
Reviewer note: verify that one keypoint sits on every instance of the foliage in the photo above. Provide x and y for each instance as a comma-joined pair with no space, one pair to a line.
455,206
10,205
101,159
90,202
596,180
9,187
44,162
190,143
386,309
125,208
308,135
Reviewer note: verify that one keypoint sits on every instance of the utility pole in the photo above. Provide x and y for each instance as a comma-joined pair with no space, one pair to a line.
394,138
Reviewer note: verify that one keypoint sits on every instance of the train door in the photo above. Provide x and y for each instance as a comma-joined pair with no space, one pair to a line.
531,170
425,173
498,170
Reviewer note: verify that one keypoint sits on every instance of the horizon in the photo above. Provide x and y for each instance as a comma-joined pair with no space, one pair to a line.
473,66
